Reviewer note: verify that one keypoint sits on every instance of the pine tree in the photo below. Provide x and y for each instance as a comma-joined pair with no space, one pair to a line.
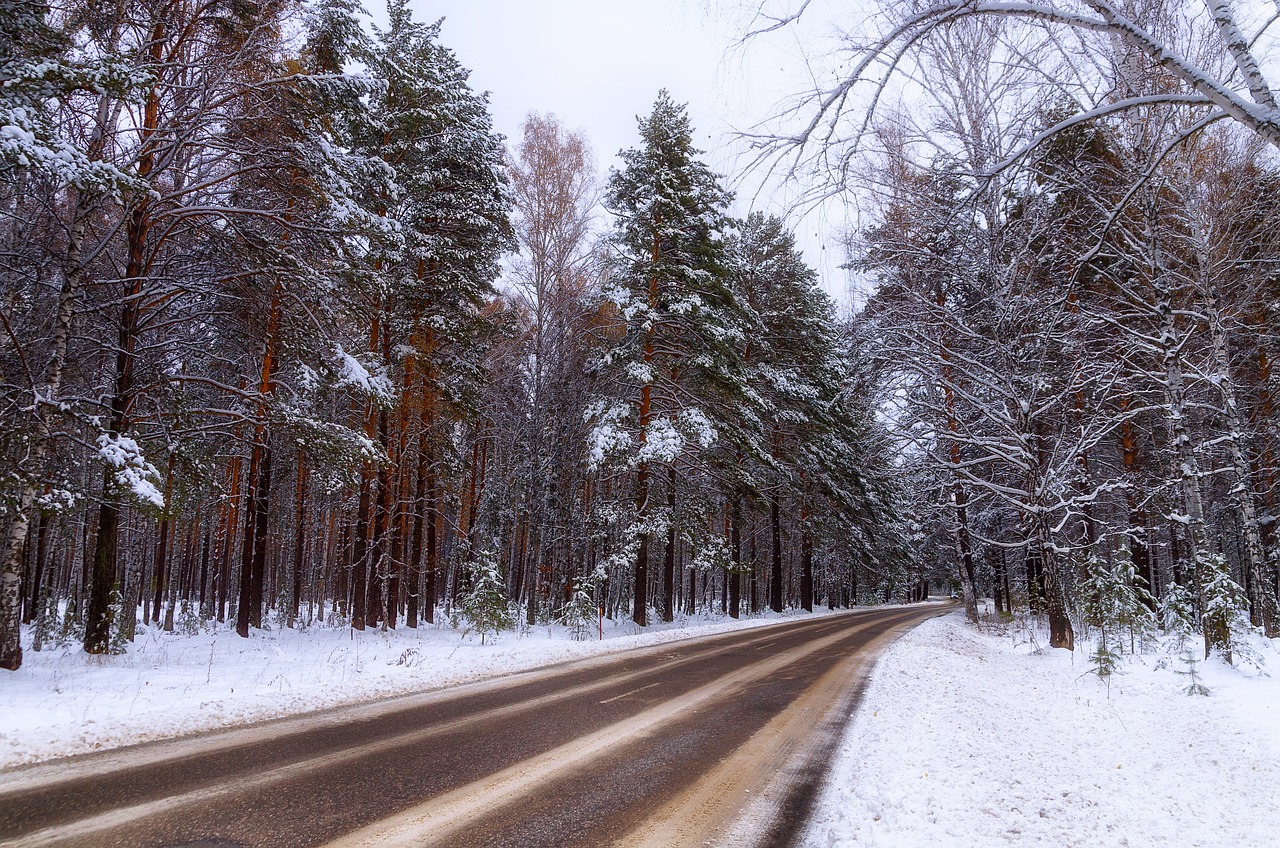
1225,610
1114,602
287,270
580,611
676,343
809,441
423,304
485,604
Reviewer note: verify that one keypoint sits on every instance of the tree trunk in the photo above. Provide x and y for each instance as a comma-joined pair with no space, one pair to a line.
1263,611
359,552
1061,634
162,547
964,547
32,609
379,568
416,537
775,568
161,567
669,562
430,590
253,482
735,553
97,627
640,600
261,527
204,593
806,562
299,540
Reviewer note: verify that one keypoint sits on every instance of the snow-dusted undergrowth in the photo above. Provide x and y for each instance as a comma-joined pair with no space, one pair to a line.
63,701
970,738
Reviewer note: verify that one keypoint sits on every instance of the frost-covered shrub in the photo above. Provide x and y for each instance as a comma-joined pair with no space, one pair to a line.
189,621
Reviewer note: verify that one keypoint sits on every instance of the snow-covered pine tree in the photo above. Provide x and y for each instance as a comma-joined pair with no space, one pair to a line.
676,345
809,440
286,268
423,308
1177,611
580,611
1225,614
1117,605
484,605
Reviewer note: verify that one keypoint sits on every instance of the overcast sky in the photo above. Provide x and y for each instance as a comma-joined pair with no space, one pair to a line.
597,64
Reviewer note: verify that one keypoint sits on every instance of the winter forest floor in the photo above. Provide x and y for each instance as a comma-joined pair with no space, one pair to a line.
968,738
64,702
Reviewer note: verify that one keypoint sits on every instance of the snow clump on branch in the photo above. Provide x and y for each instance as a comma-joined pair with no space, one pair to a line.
132,472
353,373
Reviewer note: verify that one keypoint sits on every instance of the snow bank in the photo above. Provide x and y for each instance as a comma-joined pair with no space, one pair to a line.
967,738
64,702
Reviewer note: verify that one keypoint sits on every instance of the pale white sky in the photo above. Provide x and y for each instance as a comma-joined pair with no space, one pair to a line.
597,64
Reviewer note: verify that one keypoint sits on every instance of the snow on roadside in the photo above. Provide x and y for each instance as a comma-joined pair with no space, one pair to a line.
64,702
967,738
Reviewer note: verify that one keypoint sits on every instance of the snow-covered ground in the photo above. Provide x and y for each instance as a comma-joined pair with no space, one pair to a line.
970,738
63,701
964,738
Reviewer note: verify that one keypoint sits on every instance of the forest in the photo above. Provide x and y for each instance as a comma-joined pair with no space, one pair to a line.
292,337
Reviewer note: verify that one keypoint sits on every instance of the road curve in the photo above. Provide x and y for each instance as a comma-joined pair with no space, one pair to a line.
713,741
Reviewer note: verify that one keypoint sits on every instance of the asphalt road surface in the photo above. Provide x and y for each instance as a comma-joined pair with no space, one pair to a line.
715,741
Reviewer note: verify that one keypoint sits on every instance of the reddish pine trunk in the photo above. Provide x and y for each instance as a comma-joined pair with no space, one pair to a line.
669,563
430,584
414,563
775,567
359,552
299,539
735,553
806,562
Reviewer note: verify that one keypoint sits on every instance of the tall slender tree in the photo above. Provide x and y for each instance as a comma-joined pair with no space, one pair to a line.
677,318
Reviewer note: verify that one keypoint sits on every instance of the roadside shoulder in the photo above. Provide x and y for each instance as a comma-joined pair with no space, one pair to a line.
965,738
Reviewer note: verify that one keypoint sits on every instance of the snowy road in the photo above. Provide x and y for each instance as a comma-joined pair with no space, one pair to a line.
714,741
